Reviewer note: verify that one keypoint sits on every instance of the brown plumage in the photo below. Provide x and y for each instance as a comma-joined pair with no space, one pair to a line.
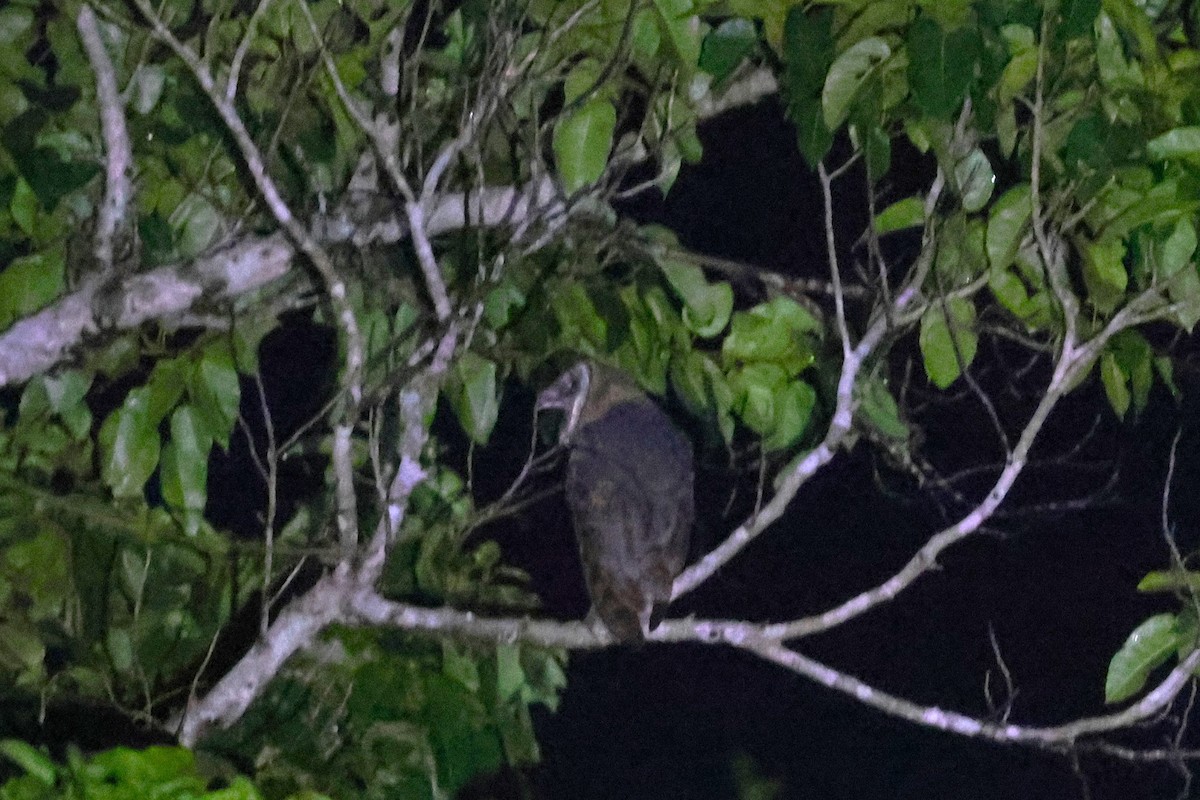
629,488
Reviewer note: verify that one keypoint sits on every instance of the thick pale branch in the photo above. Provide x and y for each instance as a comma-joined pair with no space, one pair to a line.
42,340
368,608
356,604
1057,737
112,216
296,628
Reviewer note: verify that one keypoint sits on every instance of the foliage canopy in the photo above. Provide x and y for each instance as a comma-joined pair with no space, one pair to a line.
443,188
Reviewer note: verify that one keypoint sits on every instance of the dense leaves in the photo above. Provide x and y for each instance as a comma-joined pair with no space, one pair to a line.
122,772
1065,135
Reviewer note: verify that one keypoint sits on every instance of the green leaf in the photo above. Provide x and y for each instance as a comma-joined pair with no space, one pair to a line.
183,474
29,283
706,306
582,142
242,788
906,213
1007,223
52,178
583,77
771,404
1184,291
33,761
130,446
196,223
1187,581
461,664
15,22
119,646
877,149
794,404
500,303
59,393
1176,252
164,388
147,87
881,410
1165,367
941,65
24,207
1104,272
646,38
1135,358
21,648
1163,201
578,316
124,772
776,332
679,20
248,333
725,47
808,48
755,387
703,389
1116,386
473,395
812,135
875,18
376,333
509,675
1117,72
215,392
1077,17
1149,646
1177,143
1018,73
975,180
960,251
849,72
948,340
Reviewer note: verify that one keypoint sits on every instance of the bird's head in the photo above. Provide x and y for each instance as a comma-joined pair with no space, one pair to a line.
585,393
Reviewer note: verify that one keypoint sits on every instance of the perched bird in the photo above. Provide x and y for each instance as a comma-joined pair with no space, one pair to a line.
629,488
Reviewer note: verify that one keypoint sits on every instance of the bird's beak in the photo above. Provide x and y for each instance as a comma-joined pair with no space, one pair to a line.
568,396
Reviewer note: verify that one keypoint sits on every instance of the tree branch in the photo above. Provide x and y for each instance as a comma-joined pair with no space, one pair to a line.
112,216
841,423
1059,737
40,341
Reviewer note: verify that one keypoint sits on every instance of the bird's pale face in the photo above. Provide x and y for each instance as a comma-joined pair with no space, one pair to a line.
568,394
585,393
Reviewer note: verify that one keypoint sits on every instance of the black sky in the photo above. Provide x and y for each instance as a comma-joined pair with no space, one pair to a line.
1057,589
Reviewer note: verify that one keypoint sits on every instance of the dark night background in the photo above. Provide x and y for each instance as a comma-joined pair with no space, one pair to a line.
667,722
1057,589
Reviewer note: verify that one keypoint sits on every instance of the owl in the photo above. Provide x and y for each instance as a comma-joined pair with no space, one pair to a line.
629,489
